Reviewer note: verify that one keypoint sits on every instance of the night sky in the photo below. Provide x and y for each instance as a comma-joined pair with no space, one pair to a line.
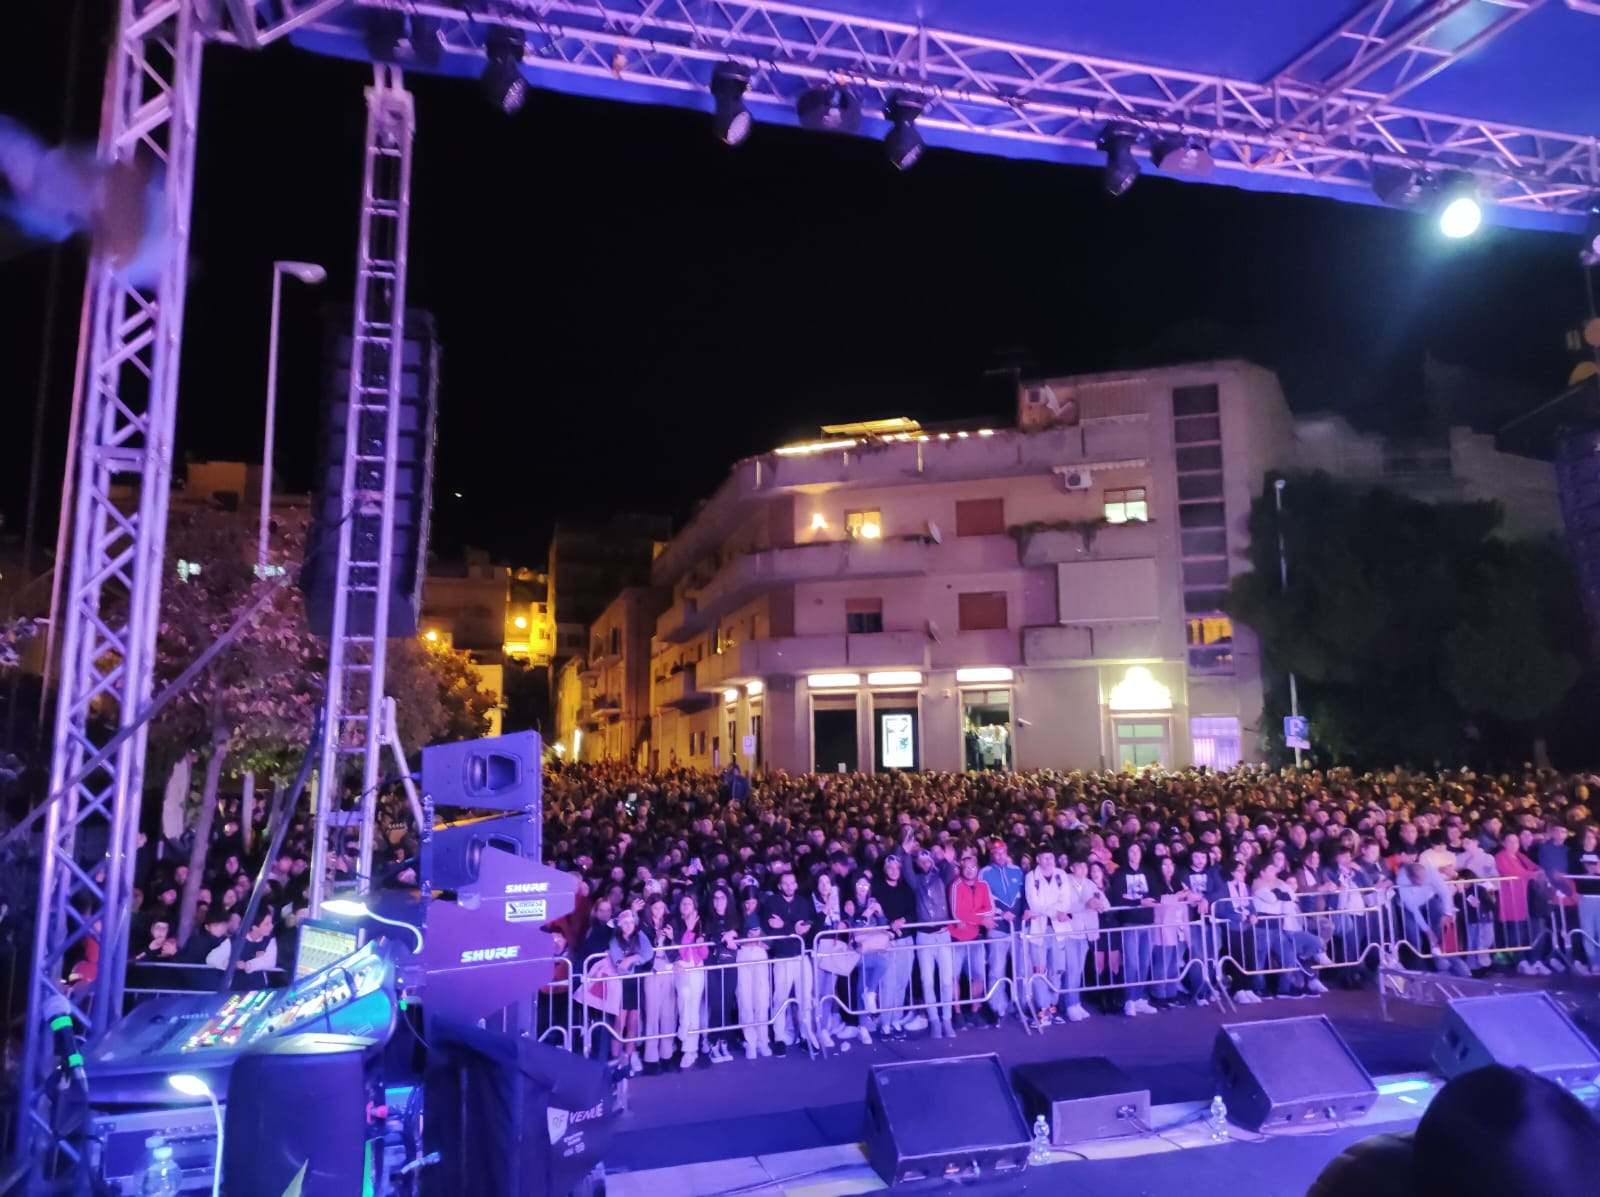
627,306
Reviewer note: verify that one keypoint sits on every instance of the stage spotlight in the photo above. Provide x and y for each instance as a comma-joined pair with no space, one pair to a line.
732,120
829,109
193,1086
1590,254
1122,168
903,143
1398,185
503,84
1460,214
1182,155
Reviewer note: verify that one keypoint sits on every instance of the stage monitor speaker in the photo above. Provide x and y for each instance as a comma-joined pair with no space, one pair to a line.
494,773
451,857
1081,1098
931,1119
290,1108
413,478
1519,1030
1289,1070
510,1116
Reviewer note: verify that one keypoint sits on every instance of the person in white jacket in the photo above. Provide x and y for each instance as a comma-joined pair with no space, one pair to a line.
1045,926
1085,901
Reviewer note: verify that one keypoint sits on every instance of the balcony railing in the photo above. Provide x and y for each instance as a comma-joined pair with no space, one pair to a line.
680,621
681,690
756,660
1057,644
746,576
1104,542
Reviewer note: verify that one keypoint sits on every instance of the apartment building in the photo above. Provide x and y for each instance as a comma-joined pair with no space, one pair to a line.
590,562
611,712
890,596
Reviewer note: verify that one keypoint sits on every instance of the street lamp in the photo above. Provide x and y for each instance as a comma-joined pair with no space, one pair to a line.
310,274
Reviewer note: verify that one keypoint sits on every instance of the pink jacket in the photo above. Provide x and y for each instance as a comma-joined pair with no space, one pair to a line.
1514,863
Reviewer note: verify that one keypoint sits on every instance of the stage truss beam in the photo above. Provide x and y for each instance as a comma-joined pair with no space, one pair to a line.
1327,130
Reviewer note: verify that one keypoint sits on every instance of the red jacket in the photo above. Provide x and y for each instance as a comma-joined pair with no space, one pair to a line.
970,903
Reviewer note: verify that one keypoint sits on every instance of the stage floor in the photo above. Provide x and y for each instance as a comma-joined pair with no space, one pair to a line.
746,1126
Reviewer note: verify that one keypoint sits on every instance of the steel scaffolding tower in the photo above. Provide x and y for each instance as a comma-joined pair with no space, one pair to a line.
111,603
352,724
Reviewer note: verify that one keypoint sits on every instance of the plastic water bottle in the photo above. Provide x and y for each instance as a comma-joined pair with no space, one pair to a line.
161,1176
1217,1119
1041,1142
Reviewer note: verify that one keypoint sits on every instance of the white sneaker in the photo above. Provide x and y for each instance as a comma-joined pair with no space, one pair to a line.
919,1023
949,1030
764,1049
866,1037
1316,986
1557,964
847,1032
688,1061
635,1064
1525,969
1247,997
1076,1014
1539,969
1582,969
1145,1007
750,1051
825,1040
1130,1008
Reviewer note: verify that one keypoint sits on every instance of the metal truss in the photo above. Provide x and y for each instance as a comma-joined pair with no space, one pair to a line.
1327,118
111,605
353,715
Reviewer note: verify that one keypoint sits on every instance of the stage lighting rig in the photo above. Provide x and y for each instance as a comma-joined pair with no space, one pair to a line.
1122,168
503,84
1459,210
1400,186
1182,155
732,120
903,143
829,109
1590,253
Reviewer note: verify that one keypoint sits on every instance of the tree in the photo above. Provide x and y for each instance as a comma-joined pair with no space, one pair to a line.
1409,625
254,707
437,693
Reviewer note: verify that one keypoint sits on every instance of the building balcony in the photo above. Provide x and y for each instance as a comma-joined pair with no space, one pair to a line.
1107,542
681,690
680,621
976,650
757,660
743,578
1069,643
589,672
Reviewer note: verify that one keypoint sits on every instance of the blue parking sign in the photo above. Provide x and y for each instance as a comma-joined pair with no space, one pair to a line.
1297,731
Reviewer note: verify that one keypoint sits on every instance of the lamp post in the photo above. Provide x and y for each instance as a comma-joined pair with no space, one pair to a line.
311,274
1283,579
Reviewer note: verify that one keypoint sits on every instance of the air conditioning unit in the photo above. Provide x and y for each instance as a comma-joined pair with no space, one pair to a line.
1076,480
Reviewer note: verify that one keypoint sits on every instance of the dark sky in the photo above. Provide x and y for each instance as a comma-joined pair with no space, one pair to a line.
627,306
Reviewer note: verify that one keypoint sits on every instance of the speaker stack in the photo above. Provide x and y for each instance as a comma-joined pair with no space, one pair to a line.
930,1120
1289,1070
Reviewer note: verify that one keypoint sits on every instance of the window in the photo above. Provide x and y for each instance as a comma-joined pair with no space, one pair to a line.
616,642
1215,741
1195,401
1125,505
863,616
1210,644
983,611
863,525
981,517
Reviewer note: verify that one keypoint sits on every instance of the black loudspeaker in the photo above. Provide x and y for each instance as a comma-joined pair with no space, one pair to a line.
1084,1098
494,773
1289,1070
929,1119
1519,1030
287,1109
450,858
510,1116
419,384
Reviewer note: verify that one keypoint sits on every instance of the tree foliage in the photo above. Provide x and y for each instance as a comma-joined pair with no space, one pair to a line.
437,694
1416,633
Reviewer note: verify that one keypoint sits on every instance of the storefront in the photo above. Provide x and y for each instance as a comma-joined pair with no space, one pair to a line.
1140,710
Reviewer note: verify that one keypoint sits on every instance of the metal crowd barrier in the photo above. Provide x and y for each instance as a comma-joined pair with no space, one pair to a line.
599,990
153,978
1342,929
1474,921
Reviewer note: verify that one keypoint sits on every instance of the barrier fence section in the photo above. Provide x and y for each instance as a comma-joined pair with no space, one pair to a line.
1298,940
1464,925
764,991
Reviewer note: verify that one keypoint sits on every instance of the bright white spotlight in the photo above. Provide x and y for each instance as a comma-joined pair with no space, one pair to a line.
1460,217
190,1085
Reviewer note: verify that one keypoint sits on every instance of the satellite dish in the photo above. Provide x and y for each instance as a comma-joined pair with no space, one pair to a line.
933,532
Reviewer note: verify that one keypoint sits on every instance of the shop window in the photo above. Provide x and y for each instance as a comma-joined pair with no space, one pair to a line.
1125,506
981,517
1210,643
1215,741
982,611
986,730
863,525
1140,743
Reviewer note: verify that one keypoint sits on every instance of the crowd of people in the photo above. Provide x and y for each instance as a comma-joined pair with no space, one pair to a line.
724,913
900,903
